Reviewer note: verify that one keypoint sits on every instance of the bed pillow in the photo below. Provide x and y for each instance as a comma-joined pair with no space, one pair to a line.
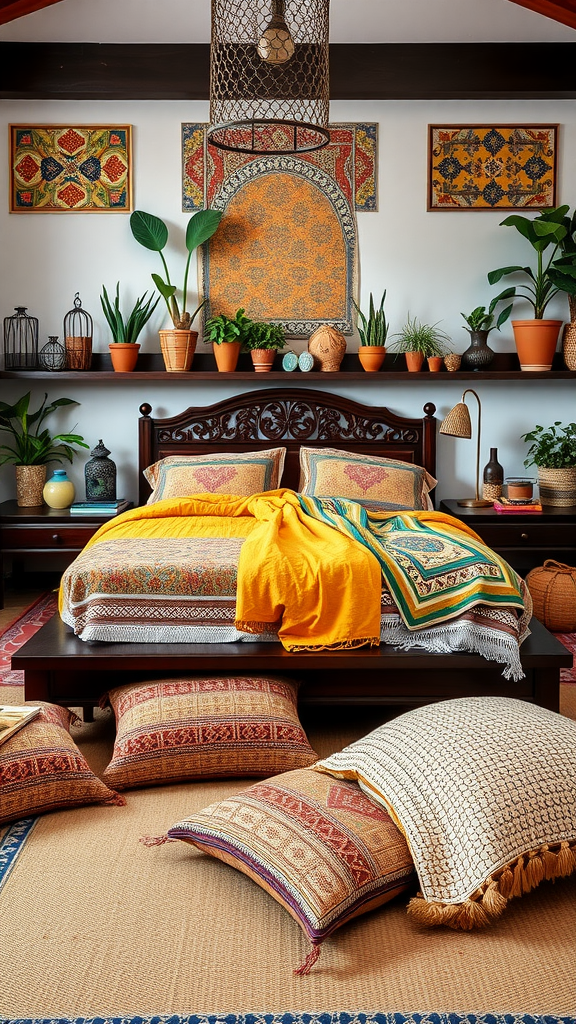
242,473
42,769
170,730
376,483
321,848
484,789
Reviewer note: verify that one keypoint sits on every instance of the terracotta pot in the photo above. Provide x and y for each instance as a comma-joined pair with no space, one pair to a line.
263,359
226,355
414,361
178,347
30,482
124,356
435,364
371,357
536,342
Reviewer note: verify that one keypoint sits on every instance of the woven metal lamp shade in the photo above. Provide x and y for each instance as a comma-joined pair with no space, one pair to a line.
269,81
458,424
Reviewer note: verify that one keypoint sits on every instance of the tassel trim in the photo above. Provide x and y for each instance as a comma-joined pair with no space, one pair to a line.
156,840
489,901
307,964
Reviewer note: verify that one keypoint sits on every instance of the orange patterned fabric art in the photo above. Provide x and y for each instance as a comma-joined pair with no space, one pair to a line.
285,250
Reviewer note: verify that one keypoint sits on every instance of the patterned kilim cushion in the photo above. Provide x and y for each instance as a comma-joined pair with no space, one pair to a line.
41,769
322,849
210,726
484,789
242,473
376,483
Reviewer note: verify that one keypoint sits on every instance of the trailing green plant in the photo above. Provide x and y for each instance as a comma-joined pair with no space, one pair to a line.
32,444
548,229
152,233
125,331
265,335
222,329
374,329
418,337
482,319
551,448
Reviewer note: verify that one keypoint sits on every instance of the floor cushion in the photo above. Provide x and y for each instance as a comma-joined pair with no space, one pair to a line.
323,849
484,789
42,769
205,726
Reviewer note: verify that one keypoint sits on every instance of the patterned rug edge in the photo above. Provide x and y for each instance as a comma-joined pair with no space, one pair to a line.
309,1017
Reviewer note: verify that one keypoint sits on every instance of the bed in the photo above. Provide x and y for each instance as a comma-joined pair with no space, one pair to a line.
70,669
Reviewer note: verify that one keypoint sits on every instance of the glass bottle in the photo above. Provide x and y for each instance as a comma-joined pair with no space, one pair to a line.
492,477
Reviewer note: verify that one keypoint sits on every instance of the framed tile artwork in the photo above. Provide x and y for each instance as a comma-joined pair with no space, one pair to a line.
70,168
492,166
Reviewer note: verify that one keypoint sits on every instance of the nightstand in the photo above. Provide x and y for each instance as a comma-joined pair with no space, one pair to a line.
525,541
45,531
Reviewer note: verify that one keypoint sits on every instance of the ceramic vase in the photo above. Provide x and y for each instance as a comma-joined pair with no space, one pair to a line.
479,355
327,346
59,491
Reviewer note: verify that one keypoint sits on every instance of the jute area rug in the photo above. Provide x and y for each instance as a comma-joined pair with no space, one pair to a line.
95,925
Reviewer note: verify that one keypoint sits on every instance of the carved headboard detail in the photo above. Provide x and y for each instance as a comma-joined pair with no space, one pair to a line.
290,418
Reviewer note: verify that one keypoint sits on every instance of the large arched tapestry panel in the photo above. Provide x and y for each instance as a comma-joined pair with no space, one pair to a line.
286,248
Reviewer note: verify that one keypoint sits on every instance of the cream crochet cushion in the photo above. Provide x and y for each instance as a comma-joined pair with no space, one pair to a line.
484,789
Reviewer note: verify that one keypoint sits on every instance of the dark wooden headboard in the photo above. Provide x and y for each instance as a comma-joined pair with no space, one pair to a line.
289,418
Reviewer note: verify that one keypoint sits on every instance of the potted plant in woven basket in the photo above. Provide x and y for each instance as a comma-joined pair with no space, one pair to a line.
126,330
33,446
419,341
263,341
373,334
553,451
178,344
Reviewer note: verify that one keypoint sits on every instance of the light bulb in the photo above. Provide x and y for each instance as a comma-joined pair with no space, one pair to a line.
276,45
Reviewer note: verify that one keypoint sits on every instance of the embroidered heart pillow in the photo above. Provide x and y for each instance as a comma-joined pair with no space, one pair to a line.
242,473
376,483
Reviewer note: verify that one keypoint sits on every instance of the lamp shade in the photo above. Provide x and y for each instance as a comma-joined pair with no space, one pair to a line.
457,423
269,80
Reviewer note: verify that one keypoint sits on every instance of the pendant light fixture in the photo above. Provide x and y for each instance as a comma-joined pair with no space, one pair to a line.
269,85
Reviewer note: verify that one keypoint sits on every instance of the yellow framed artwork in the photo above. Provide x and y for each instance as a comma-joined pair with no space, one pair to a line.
70,168
492,166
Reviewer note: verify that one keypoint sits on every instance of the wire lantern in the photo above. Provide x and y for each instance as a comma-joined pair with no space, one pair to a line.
20,340
53,355
78,337
269,80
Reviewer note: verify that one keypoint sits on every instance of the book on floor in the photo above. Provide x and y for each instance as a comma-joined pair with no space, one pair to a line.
13,717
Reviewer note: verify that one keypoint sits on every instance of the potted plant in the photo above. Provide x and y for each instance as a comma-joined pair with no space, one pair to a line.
421,341
227,336
126,330
373,334
33,446
179,343
263,341
536,339
480,322
563,275
553,452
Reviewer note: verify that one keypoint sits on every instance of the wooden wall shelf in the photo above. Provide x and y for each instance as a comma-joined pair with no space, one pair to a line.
151,367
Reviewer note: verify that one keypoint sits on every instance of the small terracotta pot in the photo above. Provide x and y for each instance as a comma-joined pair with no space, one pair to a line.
263,359
178,347
371,357
414,361
124,356
226,355
536,342
434,364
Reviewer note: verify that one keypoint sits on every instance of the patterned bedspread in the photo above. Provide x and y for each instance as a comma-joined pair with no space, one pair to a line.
167,586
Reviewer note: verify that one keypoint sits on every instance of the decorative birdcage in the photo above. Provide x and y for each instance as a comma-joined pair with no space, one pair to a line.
53,355
269,76
20,340
78,337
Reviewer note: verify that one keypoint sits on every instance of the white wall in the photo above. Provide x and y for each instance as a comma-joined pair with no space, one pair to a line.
433,265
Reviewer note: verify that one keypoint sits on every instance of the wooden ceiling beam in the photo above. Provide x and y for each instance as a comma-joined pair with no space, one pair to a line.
563,11
12,9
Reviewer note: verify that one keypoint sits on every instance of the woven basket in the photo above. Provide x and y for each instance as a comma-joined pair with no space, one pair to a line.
569,345
552,587
557,486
